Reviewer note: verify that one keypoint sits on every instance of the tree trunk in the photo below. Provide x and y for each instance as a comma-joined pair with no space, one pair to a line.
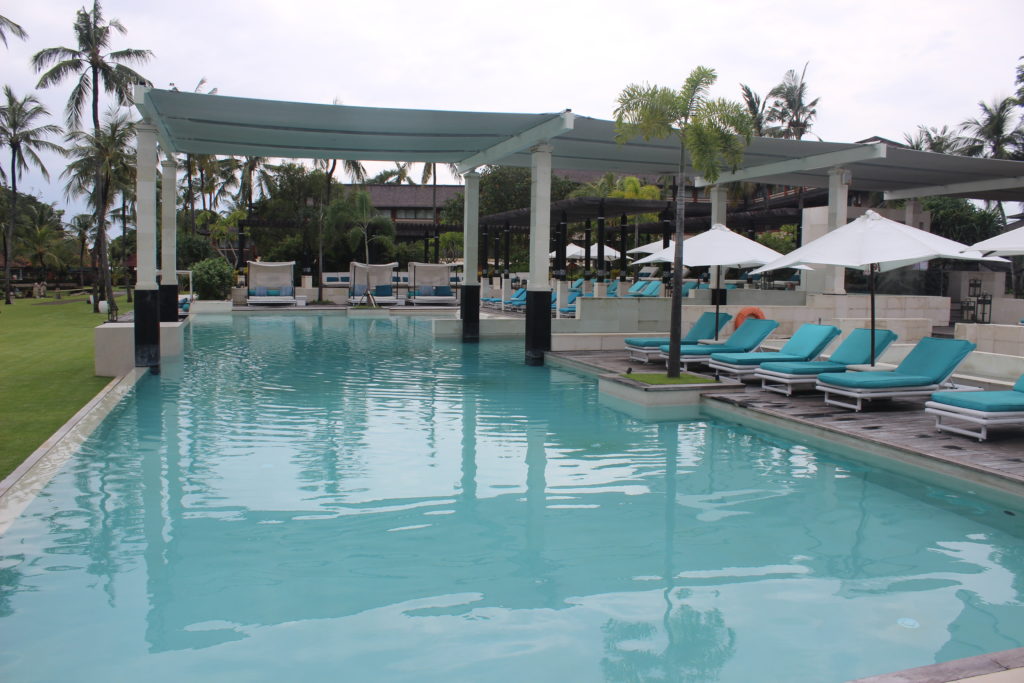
9,233
676,315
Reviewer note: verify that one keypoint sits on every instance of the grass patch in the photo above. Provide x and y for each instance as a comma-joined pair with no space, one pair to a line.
46,370
658,378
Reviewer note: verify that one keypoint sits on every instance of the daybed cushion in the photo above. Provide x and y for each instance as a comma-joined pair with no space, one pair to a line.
443,290
383,290
358,290
425,290
332,278
810,367
877,379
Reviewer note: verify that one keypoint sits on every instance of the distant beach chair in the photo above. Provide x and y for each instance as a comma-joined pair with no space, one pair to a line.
982,408
925,370
787,377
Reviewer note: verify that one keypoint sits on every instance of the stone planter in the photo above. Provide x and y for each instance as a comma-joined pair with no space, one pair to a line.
658,401
199,307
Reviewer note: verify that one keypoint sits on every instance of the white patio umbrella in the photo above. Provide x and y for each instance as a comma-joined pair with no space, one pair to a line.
721,247
1008,244
874,243
572,251
651,248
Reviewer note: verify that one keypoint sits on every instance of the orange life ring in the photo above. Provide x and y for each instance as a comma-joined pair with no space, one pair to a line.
748,312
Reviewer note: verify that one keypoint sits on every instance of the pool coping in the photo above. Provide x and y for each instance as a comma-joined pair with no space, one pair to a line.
21,486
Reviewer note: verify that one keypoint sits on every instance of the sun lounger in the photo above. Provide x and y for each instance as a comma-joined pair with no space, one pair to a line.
806,344
747,338
650,288
982,408
644,349
786,377
637,287
925,369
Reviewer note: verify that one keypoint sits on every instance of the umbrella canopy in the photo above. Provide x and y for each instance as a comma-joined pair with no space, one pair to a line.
872,239
875,243
575,252
572,251
719,246
652,248
1008,244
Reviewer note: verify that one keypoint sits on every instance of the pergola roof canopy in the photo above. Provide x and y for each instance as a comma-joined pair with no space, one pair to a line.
194,123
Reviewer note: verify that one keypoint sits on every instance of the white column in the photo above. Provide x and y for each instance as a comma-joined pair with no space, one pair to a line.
838,202
718,211
145,205
471,229
540,217
168,220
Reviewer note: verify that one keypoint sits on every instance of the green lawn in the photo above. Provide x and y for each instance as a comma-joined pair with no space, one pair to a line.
46,366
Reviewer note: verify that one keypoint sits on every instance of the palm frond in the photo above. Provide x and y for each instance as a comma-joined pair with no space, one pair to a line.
6,25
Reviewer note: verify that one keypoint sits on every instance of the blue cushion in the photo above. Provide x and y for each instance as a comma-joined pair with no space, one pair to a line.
751,333
652,342
425,290
252,292
443,290
809,341
754,358
273,292
383,290
877,379
704,349
856,348
985,401
810,367
332,278
704,328
261,291
1019,386
358,290
288,291
935,358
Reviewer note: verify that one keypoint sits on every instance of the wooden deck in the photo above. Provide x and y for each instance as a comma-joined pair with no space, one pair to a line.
899,425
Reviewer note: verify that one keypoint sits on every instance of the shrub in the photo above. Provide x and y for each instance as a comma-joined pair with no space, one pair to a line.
213,279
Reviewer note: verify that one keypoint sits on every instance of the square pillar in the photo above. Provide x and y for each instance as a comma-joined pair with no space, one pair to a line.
147,296
538,295
719,206
168,240
470,311
838,203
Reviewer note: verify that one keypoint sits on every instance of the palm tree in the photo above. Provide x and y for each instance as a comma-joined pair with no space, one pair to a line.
789,108
96,67
21,132
189,163
997,134
8,25
931,139
43,238
81,230
97,165
711,132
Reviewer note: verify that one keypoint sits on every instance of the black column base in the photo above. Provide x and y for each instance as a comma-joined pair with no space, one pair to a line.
538,325
147,329
169,303
470,313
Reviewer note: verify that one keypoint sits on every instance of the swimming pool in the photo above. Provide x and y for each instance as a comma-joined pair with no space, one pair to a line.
325,498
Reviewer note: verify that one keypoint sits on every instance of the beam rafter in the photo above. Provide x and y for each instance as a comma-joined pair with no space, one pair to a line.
957,188
553,127
808,163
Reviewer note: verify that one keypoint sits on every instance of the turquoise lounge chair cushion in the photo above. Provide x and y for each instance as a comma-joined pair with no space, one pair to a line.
332,278
751,333
704,349
809,367
877,379
636,287
703,328
808,341
856,348
985,401
651,342
935,358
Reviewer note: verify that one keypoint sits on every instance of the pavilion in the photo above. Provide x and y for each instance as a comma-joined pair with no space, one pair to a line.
192,123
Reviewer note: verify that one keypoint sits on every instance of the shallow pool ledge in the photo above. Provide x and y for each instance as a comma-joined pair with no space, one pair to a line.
1005,666
658,401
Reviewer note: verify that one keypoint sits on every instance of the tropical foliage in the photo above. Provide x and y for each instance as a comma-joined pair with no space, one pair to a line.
213,279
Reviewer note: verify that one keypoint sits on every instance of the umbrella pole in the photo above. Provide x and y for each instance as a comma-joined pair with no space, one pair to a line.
874,269
718,296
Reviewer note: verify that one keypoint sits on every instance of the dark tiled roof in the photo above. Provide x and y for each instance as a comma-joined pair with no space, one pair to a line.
410,196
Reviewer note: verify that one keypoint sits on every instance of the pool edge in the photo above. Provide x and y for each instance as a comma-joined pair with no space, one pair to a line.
21,486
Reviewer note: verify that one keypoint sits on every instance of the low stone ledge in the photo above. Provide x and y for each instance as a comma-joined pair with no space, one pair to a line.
658,401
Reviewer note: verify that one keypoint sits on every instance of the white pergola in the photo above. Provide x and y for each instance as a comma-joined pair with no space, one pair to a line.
191,123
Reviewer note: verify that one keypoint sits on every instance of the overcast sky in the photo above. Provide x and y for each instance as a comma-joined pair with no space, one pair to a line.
879,68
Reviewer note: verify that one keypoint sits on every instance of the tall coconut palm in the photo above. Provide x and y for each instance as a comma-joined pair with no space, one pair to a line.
81,229
998,134
8,26
931,139
42,239
790,108
711,132
96,67
22,132
105,153
189,163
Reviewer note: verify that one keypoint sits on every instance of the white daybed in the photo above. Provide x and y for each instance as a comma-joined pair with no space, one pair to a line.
372,284
431,284
271,284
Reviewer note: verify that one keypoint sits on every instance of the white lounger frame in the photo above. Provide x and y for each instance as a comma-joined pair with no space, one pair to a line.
740,372
644,354
984,419
785,383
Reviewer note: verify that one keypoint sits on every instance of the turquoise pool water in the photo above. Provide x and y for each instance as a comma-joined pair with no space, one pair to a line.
318,498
